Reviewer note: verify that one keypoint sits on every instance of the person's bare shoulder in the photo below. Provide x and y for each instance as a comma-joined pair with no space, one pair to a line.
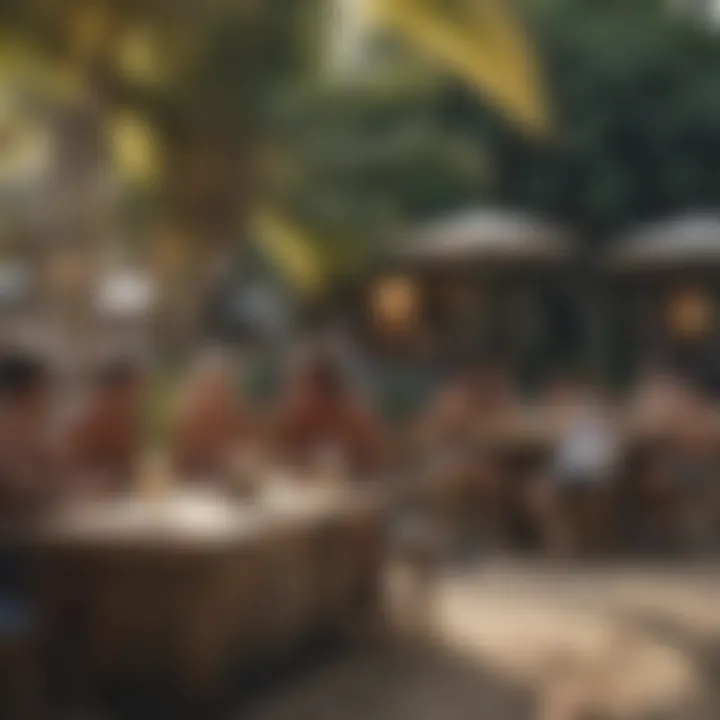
449,403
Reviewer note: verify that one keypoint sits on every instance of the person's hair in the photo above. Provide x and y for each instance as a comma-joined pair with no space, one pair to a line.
20,374
116,373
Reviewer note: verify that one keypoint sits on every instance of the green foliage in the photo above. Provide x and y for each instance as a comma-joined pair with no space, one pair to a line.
358,160
633,90
637,136
638,120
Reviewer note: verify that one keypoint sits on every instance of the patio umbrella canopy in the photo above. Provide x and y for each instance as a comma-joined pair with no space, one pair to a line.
479,237
683,242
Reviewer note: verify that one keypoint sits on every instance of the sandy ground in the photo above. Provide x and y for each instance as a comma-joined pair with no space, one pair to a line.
516,641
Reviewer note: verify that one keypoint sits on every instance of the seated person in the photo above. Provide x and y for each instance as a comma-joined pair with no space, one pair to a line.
28,486
29,471
470,402
106,439
321,414
656,405
571,504
211,422
676,491
455,432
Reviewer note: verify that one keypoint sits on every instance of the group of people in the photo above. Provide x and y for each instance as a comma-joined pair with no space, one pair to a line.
94,447
65,439
654,453
575,470
580,469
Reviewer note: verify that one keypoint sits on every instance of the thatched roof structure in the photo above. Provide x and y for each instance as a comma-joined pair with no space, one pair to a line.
484,237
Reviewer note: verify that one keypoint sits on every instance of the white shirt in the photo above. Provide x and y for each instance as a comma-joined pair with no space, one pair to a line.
588,447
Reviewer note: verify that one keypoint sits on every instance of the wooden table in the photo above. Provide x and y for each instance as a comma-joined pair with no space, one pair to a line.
192,583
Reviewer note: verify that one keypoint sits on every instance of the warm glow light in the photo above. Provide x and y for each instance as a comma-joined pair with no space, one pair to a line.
395,303
690,314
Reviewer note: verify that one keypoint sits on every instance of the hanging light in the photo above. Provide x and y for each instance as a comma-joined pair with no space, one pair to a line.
395,303
690,314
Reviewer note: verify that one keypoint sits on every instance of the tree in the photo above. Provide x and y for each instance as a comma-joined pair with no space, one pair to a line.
364,156
185,89
638,120
172,96
357,162
636,132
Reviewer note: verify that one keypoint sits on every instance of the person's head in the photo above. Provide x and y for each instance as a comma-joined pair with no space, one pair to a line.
24,387
120,382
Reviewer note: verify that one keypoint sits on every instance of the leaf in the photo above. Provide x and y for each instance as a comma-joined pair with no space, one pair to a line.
485,45
288,244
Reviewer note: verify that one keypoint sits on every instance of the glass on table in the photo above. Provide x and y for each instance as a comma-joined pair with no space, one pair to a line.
155,479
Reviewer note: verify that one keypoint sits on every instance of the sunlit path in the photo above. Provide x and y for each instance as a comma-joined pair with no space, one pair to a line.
512,641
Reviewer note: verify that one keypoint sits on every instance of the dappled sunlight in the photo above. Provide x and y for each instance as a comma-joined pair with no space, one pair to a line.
542,635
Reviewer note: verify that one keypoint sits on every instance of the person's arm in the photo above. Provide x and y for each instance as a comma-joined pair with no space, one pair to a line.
369,440
288,429
72,451
91,458
60,472
242,425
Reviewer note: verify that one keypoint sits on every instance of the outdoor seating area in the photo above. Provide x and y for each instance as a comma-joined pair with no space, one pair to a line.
249,533
178,565
359,359
204,537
